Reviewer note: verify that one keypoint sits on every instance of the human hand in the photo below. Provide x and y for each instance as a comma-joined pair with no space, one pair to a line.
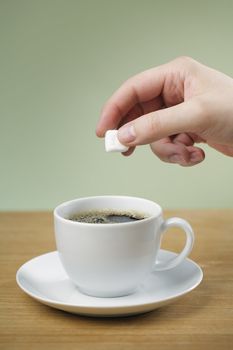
172,107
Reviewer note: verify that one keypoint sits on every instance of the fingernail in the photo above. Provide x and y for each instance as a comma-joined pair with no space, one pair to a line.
195,157
127,134
175,158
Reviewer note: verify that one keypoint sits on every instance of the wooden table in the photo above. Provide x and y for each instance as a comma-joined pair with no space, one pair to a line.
203,319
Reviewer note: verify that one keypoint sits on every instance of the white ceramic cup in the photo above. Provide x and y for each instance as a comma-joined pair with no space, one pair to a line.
111,260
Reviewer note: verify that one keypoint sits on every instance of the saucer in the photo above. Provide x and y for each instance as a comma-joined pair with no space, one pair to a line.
44,279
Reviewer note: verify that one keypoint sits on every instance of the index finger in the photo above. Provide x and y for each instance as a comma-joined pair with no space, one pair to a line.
142,87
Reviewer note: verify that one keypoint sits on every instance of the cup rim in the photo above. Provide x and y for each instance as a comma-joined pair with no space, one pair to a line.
77,223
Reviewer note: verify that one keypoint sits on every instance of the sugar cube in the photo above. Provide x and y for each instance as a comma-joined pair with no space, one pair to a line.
112,144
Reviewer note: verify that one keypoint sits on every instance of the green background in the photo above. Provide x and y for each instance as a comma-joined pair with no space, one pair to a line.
61,60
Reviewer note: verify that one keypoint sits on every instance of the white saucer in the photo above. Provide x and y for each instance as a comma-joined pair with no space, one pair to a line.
44,279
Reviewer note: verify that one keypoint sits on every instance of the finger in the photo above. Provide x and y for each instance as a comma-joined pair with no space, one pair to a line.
197,155
162,123
140,109
141,88
169,152
129,152
136,111
178,152
183,138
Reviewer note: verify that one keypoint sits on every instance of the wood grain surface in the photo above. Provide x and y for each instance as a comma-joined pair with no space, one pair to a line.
203,319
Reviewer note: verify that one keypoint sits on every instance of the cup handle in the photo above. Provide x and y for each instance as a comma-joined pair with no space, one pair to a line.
176,222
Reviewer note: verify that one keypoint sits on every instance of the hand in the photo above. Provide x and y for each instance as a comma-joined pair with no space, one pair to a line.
172,107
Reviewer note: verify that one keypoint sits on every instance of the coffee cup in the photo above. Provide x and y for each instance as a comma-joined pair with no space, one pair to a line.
112,259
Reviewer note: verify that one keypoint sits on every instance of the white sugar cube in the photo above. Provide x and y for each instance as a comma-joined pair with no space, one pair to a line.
112,144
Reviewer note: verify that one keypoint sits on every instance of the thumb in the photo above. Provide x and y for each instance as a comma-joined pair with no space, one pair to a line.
154,126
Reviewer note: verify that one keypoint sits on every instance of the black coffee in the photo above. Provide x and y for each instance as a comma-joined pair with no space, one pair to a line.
107,217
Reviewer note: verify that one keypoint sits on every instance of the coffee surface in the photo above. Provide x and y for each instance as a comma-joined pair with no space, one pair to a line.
107,217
